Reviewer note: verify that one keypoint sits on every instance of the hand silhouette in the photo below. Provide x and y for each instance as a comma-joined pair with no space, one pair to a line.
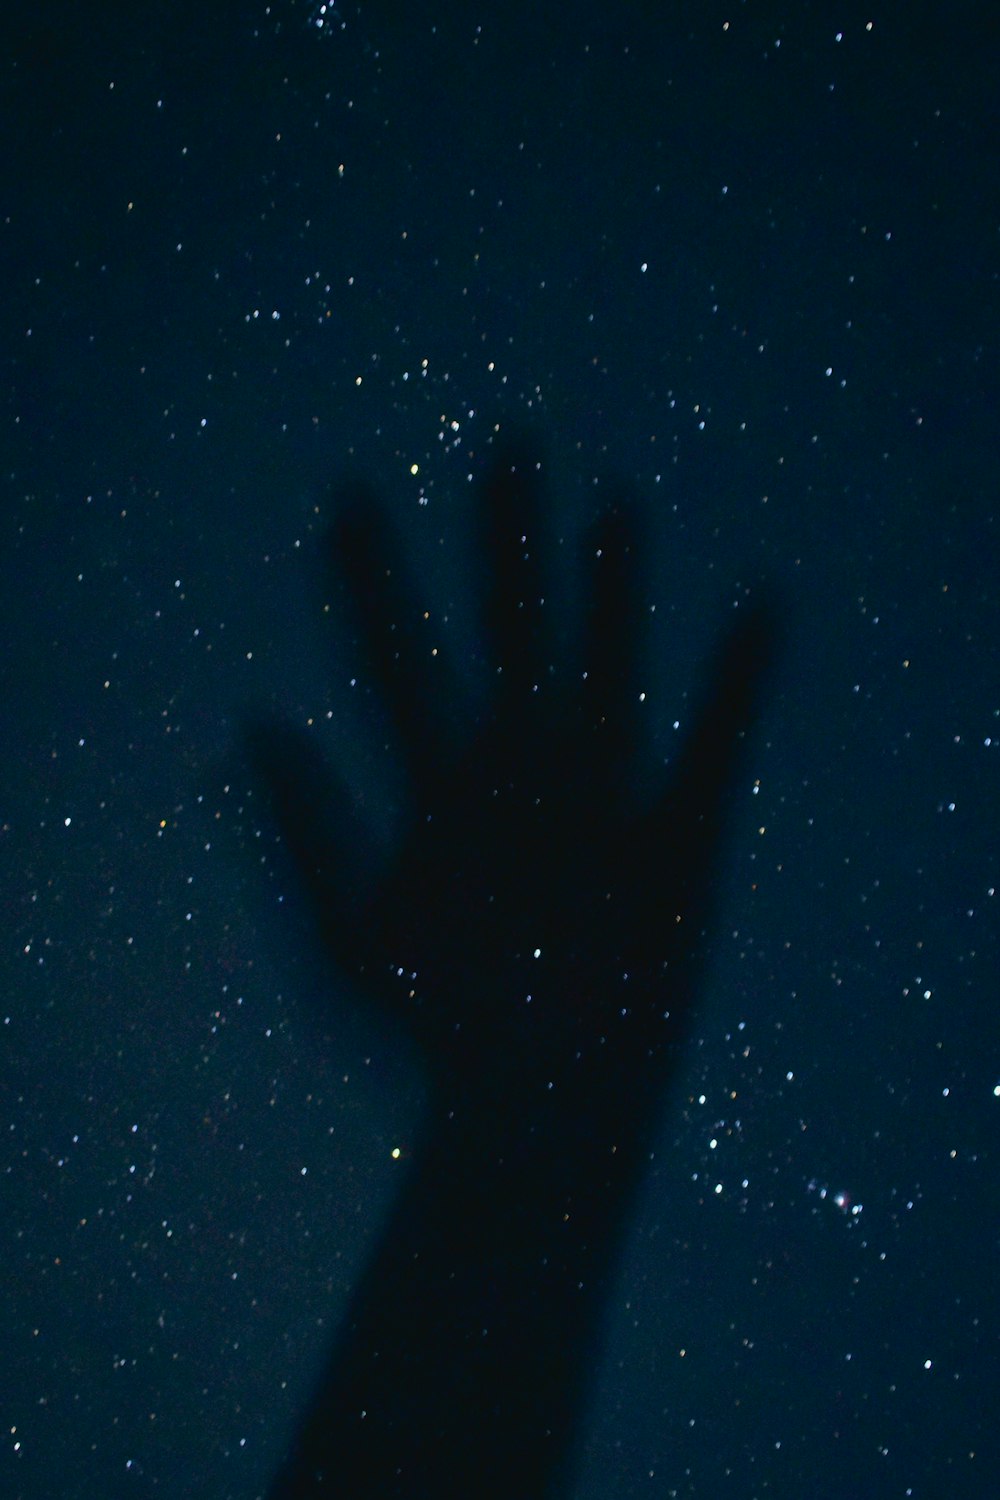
540,939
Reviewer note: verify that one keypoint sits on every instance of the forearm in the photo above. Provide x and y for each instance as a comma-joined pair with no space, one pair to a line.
461,1364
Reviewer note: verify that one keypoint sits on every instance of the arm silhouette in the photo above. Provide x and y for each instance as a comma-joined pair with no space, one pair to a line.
541,943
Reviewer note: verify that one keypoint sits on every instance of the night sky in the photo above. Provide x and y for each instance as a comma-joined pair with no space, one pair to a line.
740,259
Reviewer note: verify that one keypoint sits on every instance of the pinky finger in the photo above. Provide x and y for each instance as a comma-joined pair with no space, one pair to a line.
321,825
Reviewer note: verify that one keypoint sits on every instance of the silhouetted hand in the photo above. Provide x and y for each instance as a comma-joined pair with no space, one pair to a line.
531,924
540,940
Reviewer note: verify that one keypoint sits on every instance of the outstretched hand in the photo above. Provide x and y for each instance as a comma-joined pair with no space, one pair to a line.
540,939
531,923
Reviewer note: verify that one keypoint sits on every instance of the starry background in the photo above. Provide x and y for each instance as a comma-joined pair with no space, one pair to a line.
744,258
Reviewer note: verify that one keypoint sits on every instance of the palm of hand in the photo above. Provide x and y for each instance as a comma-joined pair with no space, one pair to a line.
527,914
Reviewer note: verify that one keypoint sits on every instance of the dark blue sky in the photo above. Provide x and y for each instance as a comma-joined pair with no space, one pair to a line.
743,260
